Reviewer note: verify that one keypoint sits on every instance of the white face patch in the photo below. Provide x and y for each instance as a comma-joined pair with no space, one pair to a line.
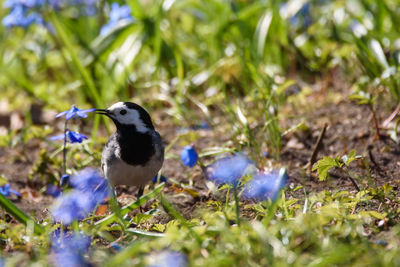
130,117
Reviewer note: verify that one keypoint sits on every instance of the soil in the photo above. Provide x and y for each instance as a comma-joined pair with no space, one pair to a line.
350,126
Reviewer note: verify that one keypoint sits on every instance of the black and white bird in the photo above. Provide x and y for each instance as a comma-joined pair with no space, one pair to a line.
134,154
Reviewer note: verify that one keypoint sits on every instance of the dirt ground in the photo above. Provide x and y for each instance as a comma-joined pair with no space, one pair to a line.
350,126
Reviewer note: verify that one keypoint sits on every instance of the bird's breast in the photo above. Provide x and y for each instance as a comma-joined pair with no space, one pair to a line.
120,173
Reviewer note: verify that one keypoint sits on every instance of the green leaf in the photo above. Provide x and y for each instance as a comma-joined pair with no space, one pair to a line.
372,213
3,180
361,97
323,166
158,227
122,257
141,217
262,32
19,214
347,159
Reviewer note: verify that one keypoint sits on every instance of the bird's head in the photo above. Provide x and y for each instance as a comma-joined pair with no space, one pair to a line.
127,114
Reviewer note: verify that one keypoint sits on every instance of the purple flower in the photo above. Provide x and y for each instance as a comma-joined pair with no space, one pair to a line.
75,112
189,156
53,190
68,249
90,190
117,14
6,190
229,170
265,186
72,137
168,258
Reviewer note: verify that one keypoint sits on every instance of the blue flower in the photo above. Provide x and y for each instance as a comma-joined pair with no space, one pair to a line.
64,179
72,206
1,261
168,258
117,14
75,112
25,3
90,181
189,156
88,5
302,18
18,17
116,246
23,13
265,186
229,170
68,249
53,190
163,179
72,137
6,190
90,190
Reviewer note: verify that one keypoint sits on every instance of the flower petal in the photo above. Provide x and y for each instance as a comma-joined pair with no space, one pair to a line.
189,156
61,114
229,170
56,137
74,137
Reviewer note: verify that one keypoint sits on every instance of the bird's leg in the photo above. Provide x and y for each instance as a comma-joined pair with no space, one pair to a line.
139,194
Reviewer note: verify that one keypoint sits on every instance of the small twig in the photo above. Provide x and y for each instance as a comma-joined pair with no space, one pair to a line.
353,182
391,117
378,134
316,149
372,158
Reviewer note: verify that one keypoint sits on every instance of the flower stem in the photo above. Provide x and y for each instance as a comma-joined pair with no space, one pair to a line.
235,193
65,148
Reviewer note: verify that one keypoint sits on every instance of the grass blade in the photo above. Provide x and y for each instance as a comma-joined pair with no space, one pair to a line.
18,214
131,206
124,255
144,233
66,40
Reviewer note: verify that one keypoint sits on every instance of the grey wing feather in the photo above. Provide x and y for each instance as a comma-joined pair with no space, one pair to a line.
108,154
158,145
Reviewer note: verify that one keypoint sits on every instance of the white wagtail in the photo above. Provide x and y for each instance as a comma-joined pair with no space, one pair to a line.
134,154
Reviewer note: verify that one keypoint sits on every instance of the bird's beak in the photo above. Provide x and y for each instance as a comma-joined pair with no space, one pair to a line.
103,112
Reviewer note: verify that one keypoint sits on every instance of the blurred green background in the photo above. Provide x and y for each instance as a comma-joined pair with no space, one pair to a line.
188,57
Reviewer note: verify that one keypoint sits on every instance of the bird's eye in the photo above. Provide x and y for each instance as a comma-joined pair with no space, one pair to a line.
122,112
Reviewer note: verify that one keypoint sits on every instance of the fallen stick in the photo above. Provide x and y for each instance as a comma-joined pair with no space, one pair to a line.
317,148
